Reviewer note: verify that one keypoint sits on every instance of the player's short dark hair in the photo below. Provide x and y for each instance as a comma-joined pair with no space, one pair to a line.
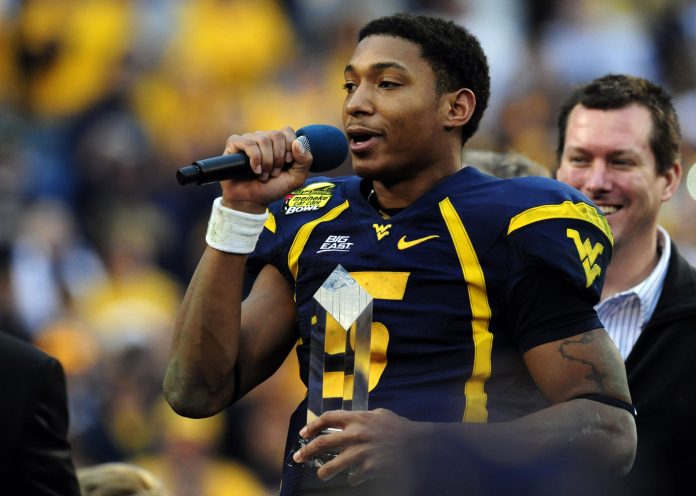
451,50
617,91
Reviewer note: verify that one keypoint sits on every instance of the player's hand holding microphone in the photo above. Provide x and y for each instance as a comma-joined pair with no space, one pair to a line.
257,169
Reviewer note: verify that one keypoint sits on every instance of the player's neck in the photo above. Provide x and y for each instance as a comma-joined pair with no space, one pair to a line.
402,193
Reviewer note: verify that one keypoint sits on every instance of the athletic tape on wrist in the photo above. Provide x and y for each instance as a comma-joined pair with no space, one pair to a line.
232,231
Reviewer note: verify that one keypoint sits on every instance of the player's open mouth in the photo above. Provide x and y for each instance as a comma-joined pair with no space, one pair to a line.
362,139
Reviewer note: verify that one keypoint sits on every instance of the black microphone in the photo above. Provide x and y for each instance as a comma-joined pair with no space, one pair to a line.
328,146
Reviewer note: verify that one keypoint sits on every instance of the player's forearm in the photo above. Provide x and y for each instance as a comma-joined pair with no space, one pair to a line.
582,434
199,380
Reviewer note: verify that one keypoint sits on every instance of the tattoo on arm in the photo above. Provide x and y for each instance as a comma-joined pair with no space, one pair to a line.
594,375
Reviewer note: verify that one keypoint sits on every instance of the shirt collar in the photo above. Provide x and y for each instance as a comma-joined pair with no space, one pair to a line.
648,291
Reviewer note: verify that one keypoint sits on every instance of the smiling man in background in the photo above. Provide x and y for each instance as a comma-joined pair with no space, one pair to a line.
619,144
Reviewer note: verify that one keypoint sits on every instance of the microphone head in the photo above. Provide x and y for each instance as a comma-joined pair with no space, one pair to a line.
328,146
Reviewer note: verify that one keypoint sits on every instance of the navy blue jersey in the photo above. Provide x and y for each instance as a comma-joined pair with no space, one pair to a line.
449,321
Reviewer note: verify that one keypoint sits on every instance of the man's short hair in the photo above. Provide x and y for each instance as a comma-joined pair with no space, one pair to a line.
454,54
504,164
617,91
118,479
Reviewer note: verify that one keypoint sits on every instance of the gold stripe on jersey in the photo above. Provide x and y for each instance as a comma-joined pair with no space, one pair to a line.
566,210
474,389
298,244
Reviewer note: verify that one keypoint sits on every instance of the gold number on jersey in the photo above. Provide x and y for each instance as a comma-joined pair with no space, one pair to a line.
382,286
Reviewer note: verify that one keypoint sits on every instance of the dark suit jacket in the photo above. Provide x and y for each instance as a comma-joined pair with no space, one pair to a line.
34,450
662,378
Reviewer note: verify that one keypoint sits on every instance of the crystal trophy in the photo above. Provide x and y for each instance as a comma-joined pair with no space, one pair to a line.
340,332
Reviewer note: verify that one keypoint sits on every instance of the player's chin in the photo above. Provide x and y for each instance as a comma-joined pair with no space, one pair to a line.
378,168
367,167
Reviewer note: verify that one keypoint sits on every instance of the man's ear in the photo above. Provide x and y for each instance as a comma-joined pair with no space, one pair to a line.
459,107
673,178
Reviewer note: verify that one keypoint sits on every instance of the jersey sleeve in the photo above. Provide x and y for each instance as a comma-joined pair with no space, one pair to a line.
558,257
269,246
548,307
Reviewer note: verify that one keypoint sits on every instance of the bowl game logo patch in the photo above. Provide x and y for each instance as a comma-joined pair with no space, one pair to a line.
308,198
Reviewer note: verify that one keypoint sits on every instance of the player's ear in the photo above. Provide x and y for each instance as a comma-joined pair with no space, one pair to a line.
458,107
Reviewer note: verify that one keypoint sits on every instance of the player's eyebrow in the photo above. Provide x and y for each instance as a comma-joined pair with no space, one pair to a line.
378,66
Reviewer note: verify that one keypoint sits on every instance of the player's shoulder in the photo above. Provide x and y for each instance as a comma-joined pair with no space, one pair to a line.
542,199
557,227
522,191
522,201
540,190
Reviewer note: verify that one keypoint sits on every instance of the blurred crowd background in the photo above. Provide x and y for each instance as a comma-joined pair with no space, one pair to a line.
101,101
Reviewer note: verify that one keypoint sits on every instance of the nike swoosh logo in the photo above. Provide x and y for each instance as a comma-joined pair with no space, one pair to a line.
403,244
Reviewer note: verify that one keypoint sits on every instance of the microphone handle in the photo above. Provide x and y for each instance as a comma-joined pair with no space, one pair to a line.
215,169
327,144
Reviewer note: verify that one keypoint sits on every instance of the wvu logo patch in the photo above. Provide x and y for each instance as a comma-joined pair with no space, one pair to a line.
381,230
308,198
588,255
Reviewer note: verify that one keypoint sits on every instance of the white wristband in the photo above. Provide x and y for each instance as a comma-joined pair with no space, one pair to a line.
232,231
